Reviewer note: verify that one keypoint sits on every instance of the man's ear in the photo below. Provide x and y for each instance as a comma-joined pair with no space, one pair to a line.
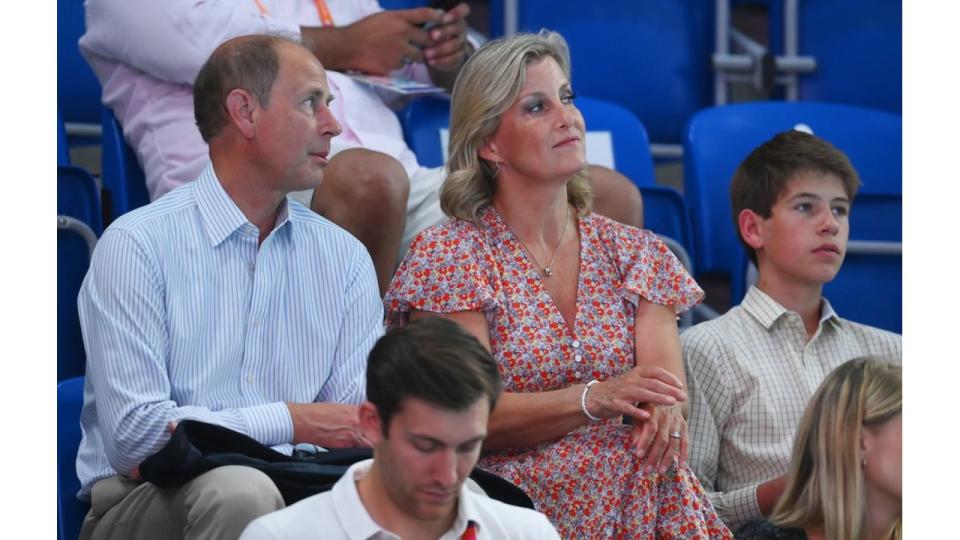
751,228
370,423
242,111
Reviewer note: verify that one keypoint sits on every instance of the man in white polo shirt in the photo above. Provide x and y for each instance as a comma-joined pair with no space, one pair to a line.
430,389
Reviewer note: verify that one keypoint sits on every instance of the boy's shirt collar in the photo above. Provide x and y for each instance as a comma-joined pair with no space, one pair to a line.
768,311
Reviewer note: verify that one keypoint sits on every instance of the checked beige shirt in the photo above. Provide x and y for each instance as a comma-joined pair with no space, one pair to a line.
750,374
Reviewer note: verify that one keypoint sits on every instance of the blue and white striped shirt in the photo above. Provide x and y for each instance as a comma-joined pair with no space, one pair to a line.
184,317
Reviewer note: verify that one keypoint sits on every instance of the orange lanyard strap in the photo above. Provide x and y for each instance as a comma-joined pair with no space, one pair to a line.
325,18
471,532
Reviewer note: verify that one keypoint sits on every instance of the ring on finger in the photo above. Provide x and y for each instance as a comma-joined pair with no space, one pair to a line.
675,435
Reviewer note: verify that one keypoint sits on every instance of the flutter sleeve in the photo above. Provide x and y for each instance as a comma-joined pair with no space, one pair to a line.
448,268
648,269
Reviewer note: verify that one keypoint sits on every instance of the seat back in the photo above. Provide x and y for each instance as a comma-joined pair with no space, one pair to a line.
615,139
717,139
403,4
859,52
78,91
869,287
70,510
614,129
63,149
652,57
76,199
425,124
124,184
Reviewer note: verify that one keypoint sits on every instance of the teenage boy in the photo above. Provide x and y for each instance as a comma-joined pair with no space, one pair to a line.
431,387
751,371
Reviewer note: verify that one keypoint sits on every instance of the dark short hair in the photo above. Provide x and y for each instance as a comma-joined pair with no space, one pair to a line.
763,176
248,62
432,359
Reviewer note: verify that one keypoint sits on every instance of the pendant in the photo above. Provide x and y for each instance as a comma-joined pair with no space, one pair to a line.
547,271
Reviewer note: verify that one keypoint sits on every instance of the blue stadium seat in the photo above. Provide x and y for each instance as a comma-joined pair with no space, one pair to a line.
423,121
869,287
63,149
78,91
70,510
403,4
718,139
78,197
859,52
124,185
652,57
664,208
76,200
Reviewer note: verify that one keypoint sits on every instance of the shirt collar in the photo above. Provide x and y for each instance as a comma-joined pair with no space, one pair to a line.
220,214
349,508
357,521
767,311
467,513
827,313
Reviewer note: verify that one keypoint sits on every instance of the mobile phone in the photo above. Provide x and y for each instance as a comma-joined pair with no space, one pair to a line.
445,5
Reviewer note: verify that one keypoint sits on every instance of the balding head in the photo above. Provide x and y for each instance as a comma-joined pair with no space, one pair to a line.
250,63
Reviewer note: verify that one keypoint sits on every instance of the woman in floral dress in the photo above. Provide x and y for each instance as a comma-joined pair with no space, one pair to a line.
579,311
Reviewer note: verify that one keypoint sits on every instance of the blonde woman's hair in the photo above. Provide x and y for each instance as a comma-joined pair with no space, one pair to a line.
487,86
825,485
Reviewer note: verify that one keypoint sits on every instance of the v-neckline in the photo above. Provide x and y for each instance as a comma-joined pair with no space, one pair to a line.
519,253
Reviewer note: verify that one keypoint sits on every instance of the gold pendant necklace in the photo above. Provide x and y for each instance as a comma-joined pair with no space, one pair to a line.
546,270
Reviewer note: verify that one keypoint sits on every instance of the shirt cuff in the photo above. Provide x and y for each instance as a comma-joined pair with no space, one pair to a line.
270,424
736,507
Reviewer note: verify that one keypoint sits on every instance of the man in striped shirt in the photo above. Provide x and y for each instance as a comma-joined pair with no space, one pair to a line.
751,372
226,302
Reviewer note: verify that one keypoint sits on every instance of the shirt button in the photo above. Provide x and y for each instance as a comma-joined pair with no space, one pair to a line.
577,357
250,379
251,266
256,323
576,344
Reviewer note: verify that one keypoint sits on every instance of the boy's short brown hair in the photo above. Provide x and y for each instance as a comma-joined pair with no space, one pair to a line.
763,176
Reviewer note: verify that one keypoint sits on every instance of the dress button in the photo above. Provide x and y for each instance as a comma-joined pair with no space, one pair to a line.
576,344
577,357
250,379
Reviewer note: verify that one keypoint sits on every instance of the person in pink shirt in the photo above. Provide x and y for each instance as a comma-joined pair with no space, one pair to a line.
147,55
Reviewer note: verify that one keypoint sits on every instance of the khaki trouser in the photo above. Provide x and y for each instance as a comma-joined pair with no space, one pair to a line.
216,504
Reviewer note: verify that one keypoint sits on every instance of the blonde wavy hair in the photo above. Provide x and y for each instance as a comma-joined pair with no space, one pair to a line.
487,86
825,485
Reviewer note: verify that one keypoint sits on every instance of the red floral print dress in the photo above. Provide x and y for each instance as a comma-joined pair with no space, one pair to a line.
588,483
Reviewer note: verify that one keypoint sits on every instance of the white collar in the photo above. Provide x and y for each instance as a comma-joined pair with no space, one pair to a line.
358,523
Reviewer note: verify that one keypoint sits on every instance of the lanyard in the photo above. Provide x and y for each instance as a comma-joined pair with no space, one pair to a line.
326,19
470,533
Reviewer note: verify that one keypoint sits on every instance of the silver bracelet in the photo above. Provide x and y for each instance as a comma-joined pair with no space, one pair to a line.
583,401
